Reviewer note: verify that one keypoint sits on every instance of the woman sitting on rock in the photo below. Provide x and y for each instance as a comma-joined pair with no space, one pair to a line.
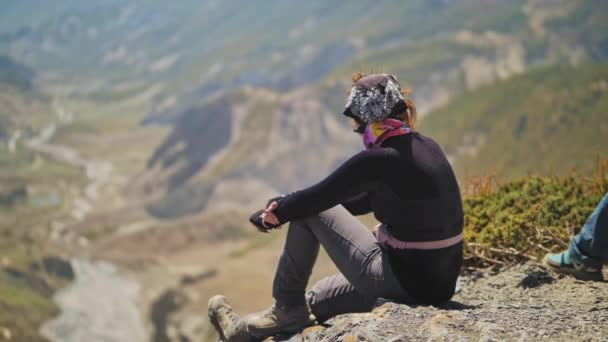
405,179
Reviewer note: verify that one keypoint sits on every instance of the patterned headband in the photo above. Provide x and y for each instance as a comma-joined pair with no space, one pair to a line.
374,98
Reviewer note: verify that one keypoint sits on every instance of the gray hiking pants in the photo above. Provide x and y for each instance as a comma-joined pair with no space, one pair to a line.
365,272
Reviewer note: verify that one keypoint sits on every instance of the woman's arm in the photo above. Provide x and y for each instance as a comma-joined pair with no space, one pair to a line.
356,175
359,205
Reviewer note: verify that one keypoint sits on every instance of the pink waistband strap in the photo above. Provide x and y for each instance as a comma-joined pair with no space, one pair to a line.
385,238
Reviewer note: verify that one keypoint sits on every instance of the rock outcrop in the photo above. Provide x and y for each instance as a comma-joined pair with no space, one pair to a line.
524,303
518,303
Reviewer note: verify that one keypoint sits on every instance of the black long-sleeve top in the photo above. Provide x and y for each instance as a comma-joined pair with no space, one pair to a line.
409,185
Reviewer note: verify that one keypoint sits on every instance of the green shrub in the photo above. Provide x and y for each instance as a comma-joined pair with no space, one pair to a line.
526,218
23,309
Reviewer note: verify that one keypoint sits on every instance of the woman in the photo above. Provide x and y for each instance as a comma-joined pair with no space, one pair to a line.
402,177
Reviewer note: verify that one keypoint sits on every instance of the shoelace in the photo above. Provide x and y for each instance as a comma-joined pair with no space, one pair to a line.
231,315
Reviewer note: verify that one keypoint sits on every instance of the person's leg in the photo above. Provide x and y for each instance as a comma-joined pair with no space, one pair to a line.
295,265
350,245
335,295
590,246
588,249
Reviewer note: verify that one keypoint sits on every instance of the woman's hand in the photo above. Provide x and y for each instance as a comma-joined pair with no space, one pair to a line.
268,215
264,220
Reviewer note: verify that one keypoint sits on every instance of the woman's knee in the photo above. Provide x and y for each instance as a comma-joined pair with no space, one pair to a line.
300,223
326,217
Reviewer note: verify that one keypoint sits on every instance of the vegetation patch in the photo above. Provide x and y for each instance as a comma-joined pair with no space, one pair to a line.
25,295
529,217
23,310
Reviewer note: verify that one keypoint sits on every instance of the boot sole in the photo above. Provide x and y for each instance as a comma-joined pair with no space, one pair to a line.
574,272
293,328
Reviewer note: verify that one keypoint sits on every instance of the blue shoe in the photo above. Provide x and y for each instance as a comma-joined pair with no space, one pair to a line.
567,264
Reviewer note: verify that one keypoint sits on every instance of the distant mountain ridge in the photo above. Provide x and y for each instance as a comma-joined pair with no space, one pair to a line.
22,107
440,69
190,45
295,59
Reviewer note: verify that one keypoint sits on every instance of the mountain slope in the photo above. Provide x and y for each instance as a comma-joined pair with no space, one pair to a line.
15,74
194,46
441,49
241,152
23,108
497,44
548,120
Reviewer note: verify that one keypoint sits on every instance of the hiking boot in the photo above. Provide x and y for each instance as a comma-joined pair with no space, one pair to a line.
227,323
567,264
280,319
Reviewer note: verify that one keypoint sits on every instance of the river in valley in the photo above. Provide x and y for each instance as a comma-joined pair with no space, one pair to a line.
100,305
